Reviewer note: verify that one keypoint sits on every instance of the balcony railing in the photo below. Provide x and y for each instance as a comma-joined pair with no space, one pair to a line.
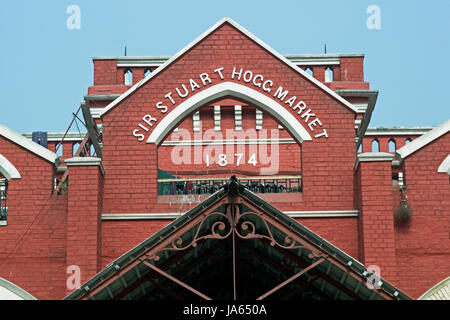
274,184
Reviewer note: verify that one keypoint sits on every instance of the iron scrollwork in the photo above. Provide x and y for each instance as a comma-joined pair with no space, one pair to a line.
231,222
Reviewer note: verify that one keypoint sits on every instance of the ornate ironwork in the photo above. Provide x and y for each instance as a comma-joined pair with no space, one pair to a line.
233,222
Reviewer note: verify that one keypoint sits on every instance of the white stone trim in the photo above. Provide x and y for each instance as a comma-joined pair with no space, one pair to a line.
221,90
445,166
252,37
423,140
174,215
85,161
397,131
372,157
440,291
17,292
7,169
298,59
31,146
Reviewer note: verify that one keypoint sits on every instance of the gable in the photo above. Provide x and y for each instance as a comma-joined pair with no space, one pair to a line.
229,53
31,146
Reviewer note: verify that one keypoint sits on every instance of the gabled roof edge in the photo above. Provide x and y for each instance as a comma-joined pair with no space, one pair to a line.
423,140
31,146
248,34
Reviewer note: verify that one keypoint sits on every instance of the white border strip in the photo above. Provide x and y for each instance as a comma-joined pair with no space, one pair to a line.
291,123
173,215
31,146
7,169
445,166
252,37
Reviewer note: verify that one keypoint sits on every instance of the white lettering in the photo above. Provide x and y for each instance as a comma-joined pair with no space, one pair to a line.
160,106
219,71
140,136
258,84
248,75
169,96
235,73
205,77
281,94
185,92
194,85
266,89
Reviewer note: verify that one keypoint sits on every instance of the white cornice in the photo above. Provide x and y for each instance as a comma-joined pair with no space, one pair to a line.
57,136
85,161
298,59
252,37
373,157
423,140
399,131
445,166
31,146
7,169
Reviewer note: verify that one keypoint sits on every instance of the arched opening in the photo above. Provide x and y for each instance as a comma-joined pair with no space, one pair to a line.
329,74
375,146
392,145
128,77
309,71
199,162
408,140
147,72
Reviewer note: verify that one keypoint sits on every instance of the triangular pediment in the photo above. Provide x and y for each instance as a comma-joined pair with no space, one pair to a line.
234,234
223,44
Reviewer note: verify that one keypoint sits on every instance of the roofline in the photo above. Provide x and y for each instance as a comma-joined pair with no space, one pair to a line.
7,169
248,34
31,146
299,59
406,131
423,140
445,166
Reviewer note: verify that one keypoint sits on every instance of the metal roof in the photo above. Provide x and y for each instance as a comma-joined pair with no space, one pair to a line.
339,276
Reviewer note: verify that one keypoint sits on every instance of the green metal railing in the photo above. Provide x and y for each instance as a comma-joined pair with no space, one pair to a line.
264,184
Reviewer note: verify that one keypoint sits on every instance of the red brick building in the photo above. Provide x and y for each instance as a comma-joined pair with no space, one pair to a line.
164,136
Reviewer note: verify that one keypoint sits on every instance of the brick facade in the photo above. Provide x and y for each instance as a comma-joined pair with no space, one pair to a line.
46,233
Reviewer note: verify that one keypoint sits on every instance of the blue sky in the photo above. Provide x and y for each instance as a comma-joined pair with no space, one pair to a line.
46,68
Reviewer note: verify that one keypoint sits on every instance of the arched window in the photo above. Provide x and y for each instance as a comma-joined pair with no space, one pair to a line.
147,72
408,140
375,146
309,71
59,152
392,145
128,77
75,147
329,74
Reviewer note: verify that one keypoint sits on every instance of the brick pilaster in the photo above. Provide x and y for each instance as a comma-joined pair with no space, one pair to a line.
84,215
376,220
